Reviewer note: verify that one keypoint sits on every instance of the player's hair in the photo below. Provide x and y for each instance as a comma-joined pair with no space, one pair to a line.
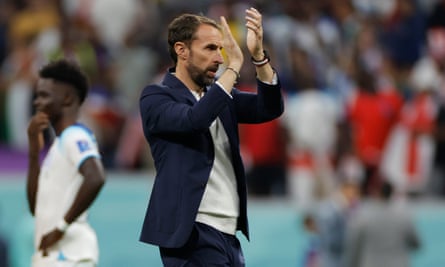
69,72
183,29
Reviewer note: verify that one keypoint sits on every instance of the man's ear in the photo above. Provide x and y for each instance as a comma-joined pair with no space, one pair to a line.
181,50
69,97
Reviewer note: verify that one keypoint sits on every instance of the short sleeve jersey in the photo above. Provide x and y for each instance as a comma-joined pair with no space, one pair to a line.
59,182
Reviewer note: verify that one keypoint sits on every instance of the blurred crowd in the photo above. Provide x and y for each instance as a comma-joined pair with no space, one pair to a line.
363,81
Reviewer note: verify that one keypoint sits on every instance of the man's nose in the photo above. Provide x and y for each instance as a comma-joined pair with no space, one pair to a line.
219,57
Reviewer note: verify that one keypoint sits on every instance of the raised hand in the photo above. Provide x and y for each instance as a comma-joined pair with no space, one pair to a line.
234,54
37,124
254,37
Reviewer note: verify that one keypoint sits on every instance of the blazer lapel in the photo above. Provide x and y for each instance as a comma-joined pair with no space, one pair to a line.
230,124
177,88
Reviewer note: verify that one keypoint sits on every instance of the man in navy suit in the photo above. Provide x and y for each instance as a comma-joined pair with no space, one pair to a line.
190,120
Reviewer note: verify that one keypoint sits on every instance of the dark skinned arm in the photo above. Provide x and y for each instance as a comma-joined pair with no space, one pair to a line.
94,178
38,123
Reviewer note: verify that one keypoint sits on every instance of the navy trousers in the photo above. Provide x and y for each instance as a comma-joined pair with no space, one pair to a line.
206,247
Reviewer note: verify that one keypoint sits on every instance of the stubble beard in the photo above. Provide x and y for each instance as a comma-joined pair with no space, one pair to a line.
200,76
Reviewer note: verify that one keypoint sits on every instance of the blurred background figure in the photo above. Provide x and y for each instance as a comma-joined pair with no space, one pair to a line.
311,252
266,169
408,157
311,120
27,20
372,111
332,217
381,234
432,65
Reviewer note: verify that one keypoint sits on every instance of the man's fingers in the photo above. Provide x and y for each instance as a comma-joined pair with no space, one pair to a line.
41,140
253,19
224,24
253,14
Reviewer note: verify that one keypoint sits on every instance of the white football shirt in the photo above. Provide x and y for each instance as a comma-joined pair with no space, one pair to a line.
59,182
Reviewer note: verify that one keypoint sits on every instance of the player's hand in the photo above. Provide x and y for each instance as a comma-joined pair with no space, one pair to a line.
254,37
37,124
234,54
49,240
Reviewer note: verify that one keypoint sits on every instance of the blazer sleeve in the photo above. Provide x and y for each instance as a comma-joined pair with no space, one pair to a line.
170,110
265,105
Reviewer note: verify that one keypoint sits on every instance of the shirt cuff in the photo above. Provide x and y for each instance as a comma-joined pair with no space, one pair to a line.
274,79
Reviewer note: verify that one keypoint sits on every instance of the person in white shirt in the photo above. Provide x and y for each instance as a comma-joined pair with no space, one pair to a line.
65,185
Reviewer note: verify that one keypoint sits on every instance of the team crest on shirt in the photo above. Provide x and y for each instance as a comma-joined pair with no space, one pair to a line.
83,145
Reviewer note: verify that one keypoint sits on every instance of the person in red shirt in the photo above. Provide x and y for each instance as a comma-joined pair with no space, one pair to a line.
263,150
371,113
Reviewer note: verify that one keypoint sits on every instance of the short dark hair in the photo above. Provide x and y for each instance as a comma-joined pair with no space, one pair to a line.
69,72
183,29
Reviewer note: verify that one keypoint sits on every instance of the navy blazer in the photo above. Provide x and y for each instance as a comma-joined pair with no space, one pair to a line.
176,127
